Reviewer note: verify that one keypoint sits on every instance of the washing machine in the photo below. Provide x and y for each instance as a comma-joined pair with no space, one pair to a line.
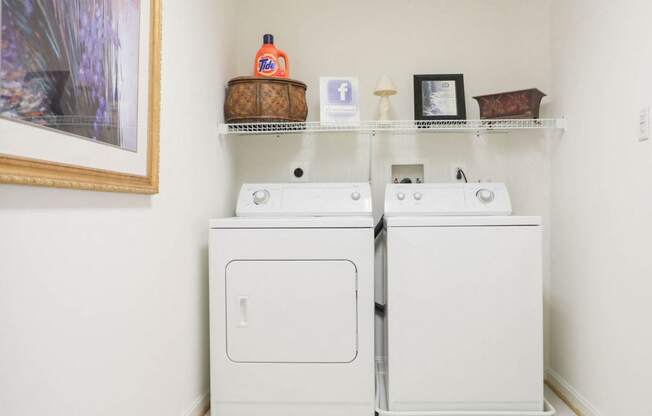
464,312
292,302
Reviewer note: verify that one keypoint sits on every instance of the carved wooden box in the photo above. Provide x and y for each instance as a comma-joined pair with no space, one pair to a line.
514,104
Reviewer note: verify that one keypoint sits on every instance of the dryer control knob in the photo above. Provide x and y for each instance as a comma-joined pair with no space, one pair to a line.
400,196
261,197
486,196
356,196
417,196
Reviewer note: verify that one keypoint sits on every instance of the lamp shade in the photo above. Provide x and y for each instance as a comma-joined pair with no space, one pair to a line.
385,87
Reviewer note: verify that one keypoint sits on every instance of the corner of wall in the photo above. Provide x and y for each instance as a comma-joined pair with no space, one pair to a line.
573,398
200,406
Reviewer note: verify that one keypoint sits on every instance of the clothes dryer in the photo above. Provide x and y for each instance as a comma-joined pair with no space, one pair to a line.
292,302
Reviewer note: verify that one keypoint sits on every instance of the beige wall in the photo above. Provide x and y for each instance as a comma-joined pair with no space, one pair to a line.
103,297
601,205
499,45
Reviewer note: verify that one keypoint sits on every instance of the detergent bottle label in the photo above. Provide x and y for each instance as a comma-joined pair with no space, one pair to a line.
267,65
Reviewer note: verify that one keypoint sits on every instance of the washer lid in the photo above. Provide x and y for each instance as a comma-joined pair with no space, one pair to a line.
465,221
304,200
297,222
456,199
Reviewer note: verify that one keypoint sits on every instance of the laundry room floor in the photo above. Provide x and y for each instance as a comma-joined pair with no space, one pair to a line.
557,403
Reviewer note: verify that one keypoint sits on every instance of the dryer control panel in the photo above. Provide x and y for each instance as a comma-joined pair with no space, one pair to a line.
436,199
304,200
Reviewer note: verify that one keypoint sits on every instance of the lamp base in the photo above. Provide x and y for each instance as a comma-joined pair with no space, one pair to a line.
383,109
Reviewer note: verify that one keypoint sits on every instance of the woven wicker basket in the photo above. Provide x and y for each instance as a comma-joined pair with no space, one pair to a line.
251,99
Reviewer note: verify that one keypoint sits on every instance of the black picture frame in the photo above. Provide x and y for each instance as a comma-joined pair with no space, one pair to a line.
420,113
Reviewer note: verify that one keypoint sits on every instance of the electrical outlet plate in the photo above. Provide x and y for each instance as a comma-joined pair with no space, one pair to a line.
413,172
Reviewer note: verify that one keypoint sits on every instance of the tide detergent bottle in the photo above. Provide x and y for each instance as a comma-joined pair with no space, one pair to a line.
268,60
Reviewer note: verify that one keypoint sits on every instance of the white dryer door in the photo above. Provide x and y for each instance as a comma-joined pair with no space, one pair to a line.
291,311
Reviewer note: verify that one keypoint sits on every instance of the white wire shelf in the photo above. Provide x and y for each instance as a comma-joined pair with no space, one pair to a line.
394,126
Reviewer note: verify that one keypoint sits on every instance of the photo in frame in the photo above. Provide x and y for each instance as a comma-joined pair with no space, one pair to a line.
439,97
80,94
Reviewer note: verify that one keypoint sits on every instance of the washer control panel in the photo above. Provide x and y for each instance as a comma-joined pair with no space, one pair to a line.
447,199
304,200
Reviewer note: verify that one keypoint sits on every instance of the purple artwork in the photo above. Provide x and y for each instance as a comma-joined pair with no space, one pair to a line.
72,65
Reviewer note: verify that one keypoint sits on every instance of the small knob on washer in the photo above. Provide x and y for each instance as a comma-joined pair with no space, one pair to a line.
261,197
486,196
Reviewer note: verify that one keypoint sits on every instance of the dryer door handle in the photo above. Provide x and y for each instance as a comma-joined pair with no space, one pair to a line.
243,302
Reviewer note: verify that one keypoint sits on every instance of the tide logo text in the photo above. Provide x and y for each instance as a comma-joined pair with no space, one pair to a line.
267,65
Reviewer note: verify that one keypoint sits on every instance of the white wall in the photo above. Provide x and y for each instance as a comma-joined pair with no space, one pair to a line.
103,297
499,45
601,205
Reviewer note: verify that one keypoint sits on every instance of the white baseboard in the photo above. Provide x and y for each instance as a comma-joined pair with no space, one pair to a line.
579,402
200,406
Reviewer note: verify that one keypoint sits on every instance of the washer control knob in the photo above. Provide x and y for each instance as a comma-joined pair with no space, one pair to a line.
355,196
418,196
486,196
400,196
261,197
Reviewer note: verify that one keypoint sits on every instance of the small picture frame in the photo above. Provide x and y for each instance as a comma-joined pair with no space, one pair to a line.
439,97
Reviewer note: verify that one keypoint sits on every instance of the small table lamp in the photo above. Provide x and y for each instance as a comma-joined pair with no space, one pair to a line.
384,89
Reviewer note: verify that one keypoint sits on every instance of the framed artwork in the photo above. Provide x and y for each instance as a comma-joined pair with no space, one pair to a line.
80,94
439,97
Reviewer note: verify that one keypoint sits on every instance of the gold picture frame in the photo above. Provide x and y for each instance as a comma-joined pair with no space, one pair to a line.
36,172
